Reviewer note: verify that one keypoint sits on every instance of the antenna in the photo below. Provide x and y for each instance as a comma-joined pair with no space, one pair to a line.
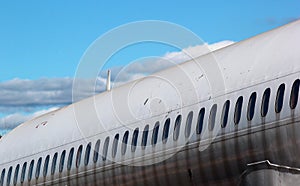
108,81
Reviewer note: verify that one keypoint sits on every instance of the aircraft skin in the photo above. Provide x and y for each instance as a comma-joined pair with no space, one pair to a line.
203,122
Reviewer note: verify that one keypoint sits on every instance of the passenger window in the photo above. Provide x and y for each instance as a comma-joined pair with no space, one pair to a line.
78,156
62,161
134,139
145,136
115,145
54,160
155,133
188,124
2,177
87,154
16,174
238,110
212,117
177,128
225,112
294,94
9,176
70,159
265,102
96,151
200,120
105,148
279,98
23,172
45,171
166,131
251,106
38,168
124,142
30,171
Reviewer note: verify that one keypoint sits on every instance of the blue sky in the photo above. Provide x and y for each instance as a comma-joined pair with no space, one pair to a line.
46,39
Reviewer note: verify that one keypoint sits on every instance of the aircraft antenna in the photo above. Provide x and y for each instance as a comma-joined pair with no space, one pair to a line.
108,87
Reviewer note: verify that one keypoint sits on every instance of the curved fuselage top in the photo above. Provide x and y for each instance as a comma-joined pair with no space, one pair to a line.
229,69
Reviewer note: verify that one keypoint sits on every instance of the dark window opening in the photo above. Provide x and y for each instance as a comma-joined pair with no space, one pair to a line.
155,134
16,174
124,142
70,159
265,102
38,168
200,121
166,131
188,124
2,177
238,110
134,139
294,94
145,136
62,161
87,154
105,148
251,106
8,176
225,113
115,145
96,151
30,170
279,98
177,128
78,156
54,160
212,117
23,172
45,171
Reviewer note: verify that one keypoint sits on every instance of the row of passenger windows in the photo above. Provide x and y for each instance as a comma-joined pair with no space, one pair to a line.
154,138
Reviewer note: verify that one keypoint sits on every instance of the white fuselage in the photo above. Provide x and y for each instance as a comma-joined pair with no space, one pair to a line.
200,122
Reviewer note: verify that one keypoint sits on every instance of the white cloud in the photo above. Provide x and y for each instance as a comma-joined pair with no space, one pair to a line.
13,120
20,95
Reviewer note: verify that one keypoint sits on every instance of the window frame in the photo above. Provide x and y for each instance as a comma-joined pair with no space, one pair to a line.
16,175
225,114
265,103
145,137
87,153
70,159
238,110
200,121
294,96
155,134
124,142
115,145
9,173
96,151
38,168
2,178
166,130
134,140
105,148
78,156
177,127
30,170
212,117
279,101
188,124
23,172
251,106
53,164
46,165
62,161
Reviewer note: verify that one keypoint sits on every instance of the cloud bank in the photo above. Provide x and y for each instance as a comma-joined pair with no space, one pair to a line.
19,96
